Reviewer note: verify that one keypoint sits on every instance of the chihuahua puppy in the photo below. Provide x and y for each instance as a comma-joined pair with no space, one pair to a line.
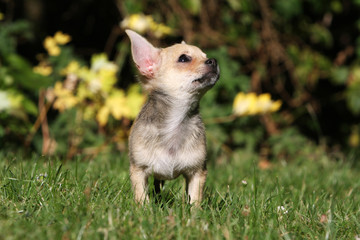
167,138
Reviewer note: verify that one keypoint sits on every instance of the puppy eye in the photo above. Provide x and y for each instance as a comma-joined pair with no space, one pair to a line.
184,58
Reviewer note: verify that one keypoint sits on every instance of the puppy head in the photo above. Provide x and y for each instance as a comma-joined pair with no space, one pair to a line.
178,70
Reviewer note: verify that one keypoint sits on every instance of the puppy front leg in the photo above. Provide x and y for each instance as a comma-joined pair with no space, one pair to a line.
139,182
195,186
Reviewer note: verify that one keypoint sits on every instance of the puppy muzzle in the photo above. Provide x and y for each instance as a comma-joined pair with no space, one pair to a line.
210,77
214,71
211,62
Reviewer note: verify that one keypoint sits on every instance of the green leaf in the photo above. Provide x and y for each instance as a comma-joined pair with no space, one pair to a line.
132,7
357,48
321,35
357,2
193,6
288,8
9,33
2,131
29,106
23,74
339,75
235,4
353,97
336,6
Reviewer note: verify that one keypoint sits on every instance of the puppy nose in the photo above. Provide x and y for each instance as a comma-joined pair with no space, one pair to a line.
211,62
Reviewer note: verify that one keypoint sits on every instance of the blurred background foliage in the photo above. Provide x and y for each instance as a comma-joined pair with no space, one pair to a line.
68,85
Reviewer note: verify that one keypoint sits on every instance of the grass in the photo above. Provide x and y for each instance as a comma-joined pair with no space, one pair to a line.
42,198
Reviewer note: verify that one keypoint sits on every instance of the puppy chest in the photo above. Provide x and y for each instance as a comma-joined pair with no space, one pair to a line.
168,159
168,150
169,163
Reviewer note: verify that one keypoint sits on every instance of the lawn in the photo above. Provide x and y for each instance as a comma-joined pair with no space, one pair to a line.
46,198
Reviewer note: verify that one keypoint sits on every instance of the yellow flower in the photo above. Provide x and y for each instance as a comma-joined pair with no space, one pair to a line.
59,90
134,101
266,105
94,85
250,104
51,46
43,69
1,16
114,104
275,106
100,62
16,100
65,99
117,105
137,22
251,100
103,115
354,138
65,103
4,101
160,29
245,104
107,79
83,92
104,74
86,74
61,38
72,67
51,43
55,51
142,23
13,102
120,105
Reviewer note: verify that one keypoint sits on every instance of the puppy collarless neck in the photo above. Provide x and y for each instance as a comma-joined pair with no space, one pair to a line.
166,103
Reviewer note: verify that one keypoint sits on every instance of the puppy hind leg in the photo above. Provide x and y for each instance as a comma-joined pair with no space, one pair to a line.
139,182
158,185
156,192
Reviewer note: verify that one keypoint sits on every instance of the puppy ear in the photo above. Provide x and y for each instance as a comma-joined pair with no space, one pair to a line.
145,55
